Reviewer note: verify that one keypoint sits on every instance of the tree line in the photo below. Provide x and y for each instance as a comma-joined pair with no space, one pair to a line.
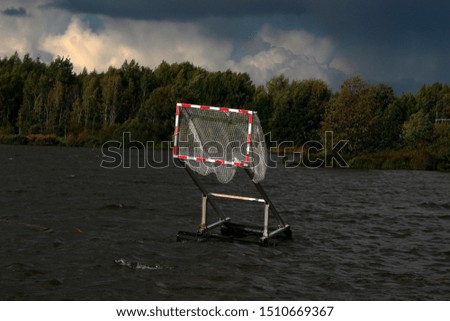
51,104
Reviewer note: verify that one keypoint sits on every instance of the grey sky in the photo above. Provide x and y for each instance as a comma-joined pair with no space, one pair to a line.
401,43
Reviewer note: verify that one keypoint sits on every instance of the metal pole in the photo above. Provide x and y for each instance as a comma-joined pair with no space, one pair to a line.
266,221
201,188
203,223
236,197
267,199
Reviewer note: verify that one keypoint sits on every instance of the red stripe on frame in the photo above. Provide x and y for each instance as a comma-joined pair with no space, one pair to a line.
243,111
248,138
247,158
224,109
200,159
186,105
250,120
240,164
205,107
174,150
182,156
219,161
177,112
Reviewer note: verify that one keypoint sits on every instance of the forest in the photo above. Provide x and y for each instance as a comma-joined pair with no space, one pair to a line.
49,104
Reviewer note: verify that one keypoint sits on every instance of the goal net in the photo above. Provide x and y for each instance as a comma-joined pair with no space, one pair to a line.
219,140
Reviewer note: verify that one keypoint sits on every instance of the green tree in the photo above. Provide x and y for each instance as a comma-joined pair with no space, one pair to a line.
148,83
13,72
440,146
299,107
262,103
428,97
158,113
55,108
407,105
111,84
418,131
225,89
163,74
61,95
363,114
131,77
185,83
91,103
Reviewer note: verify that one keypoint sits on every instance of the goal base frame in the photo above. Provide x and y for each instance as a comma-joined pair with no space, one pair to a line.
230,231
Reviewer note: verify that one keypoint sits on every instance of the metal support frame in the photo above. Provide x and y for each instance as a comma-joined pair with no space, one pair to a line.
208,198
203,224
267,200
204,227
266,221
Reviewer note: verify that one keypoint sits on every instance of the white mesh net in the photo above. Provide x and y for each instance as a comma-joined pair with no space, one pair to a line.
216,141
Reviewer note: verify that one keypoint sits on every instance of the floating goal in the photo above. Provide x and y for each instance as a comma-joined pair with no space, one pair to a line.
221,140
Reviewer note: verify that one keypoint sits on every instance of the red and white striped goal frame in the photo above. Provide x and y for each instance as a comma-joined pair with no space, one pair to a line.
215,160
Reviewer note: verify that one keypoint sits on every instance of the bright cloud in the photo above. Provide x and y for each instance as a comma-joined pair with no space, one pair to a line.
296,54
51,32
149,42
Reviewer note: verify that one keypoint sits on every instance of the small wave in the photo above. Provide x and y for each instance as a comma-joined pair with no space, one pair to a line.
32,227
17,191
435,205
138,266
118,206
139,182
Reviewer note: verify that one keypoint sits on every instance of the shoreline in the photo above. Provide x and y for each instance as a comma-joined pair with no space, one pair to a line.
401,159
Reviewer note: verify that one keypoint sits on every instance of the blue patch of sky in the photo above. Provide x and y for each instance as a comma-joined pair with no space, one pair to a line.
94,22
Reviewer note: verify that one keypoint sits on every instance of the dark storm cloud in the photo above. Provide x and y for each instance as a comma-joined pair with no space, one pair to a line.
402,42
15,12
179,10
348,21
395,41
362,21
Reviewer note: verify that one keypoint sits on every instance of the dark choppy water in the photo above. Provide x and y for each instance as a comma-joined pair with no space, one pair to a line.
358,235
